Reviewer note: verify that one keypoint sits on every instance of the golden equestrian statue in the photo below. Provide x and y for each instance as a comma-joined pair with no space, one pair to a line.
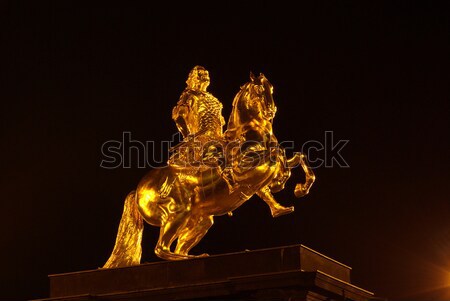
210,173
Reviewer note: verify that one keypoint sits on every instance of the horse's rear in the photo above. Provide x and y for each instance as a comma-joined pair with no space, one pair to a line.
155,208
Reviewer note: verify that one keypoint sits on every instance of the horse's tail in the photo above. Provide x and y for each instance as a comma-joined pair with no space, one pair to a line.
127,250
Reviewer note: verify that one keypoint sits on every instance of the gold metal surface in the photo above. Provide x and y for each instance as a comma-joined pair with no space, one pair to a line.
210,173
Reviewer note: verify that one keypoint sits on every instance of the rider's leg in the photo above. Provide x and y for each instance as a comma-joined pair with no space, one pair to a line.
214,158
228,176
275,208
191,235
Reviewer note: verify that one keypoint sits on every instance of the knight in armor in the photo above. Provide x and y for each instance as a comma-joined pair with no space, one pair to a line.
198,116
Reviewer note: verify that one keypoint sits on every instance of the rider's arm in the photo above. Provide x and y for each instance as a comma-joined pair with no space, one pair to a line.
180,114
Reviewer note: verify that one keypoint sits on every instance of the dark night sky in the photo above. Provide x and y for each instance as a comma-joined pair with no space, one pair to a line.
76,74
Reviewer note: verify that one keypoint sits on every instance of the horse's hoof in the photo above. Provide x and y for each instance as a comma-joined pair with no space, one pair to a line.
282,211
167,255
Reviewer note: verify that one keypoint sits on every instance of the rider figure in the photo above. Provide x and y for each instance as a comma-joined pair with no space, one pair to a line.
198,116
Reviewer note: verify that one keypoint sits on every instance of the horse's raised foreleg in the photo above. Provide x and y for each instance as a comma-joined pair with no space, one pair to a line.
294,161
275,208
302,189
191,235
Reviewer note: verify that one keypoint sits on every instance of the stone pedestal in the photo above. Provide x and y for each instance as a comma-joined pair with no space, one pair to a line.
283,273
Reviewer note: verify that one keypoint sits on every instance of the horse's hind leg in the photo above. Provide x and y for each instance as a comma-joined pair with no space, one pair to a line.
168,232
191,235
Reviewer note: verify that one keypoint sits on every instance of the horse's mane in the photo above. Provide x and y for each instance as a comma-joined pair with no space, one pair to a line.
231,125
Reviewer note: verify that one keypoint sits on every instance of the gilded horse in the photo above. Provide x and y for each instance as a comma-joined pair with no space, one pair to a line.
186,214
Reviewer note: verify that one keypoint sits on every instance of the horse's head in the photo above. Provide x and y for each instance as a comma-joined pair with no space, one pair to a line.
252,104
260,88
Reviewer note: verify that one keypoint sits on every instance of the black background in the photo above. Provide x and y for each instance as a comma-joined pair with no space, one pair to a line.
77,74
